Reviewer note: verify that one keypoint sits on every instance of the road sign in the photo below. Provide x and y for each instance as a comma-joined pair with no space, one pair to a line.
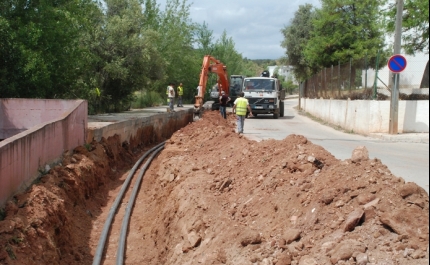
397,63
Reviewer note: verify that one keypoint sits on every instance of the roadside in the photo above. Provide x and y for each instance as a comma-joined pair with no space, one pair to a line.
400,137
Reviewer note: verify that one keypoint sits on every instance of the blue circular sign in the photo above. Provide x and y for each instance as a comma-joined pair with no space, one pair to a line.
397,63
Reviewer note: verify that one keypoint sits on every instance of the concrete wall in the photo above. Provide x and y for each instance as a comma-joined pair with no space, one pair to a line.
18,115
42,138
370,116
161,126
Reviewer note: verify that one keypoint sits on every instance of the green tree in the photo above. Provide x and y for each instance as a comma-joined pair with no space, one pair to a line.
415,25
44,38
344,30
296,36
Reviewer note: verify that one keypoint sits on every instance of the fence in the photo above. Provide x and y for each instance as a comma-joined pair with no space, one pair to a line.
358,79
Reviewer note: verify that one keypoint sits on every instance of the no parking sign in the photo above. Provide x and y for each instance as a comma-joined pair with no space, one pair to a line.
397,63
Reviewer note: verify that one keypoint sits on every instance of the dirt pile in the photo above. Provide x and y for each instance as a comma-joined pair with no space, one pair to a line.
214,197
51,222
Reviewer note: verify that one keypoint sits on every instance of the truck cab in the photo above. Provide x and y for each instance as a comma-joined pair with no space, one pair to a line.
264,95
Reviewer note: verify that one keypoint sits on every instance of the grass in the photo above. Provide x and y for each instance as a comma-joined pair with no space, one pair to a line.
146,99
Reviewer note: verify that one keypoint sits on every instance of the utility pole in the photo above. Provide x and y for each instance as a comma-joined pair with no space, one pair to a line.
394,103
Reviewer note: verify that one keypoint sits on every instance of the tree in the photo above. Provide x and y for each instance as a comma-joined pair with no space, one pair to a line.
296,36
345,30
415,25
44,39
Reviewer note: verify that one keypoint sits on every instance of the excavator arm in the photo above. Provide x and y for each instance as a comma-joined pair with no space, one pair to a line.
211,65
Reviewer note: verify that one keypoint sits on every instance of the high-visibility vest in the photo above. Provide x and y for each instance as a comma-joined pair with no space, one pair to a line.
180,91
241,106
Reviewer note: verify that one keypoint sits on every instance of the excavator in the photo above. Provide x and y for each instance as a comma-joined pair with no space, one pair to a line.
210,65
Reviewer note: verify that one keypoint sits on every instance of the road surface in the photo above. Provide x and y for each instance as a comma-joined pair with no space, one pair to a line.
404,159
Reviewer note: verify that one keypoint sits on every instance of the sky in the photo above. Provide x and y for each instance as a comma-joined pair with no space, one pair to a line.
254,25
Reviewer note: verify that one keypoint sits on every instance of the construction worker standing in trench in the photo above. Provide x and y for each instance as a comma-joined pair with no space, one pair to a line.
180,93
240,106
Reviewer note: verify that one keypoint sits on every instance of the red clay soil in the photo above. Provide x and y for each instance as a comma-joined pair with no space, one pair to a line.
214,197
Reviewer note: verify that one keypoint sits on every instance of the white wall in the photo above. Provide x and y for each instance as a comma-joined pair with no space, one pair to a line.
370,116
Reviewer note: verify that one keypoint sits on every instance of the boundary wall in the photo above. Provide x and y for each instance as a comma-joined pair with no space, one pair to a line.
36,133
370,116
149,129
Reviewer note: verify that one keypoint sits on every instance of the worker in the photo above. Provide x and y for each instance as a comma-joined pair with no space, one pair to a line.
240,106
180,94
223,100
167,95
171,96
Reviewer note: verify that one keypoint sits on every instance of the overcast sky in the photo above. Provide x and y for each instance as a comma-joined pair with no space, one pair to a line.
254,25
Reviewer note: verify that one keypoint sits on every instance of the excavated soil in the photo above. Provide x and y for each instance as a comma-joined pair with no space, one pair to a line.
214,197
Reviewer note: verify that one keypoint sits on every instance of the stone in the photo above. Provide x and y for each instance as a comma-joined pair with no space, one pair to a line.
352,220
359,154
194,239
364,198
307,260
284,259
292,235
250,237
408,189
371,204
362,259
345,250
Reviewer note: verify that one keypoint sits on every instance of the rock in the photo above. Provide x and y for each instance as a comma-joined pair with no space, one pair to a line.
284,259
371,204
345,250
359,154
327,246
362,259
352,220
418,254
7,226
408,189
194,239
250,237
225,184
292,235
307,260
364,198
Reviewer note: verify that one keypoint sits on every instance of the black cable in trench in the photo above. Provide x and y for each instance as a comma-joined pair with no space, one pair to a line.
102,241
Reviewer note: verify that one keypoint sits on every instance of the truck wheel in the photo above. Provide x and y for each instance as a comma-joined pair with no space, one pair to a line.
281,109
275,115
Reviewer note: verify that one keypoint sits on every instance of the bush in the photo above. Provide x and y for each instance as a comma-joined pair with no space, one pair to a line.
147,99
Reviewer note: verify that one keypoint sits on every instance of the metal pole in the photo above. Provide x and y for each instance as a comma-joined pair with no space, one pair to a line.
394,108
300,95
350,75
394,103
338,78
365,73
376,76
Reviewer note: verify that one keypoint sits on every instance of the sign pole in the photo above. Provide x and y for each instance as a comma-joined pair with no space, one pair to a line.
394,104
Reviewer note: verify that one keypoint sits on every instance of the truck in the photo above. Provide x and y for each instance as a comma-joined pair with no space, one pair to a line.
265,95
236,83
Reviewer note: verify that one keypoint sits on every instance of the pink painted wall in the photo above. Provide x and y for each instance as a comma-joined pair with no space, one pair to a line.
47,128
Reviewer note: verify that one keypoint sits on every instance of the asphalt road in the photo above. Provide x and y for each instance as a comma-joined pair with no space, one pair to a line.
404,159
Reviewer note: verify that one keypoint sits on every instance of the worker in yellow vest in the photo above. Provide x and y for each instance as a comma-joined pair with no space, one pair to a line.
180,93
241,105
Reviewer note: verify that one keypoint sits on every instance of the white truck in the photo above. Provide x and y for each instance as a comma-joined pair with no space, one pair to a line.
265,95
